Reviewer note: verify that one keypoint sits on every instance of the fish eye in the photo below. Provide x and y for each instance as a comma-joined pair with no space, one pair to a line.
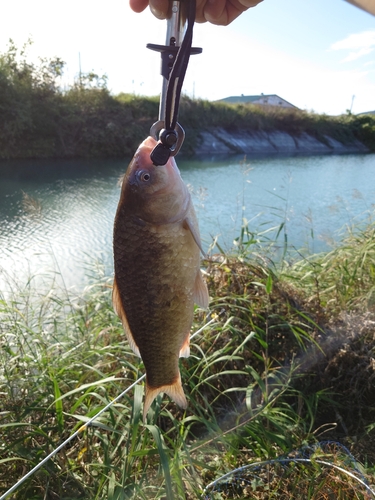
144,176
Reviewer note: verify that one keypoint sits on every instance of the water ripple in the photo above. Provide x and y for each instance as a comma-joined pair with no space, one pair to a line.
68,220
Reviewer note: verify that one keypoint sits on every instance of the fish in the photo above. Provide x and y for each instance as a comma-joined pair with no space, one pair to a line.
157,275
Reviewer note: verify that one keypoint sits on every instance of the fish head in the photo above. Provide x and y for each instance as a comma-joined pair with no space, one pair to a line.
155,194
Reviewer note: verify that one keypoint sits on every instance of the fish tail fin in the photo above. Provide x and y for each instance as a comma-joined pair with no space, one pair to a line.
174,391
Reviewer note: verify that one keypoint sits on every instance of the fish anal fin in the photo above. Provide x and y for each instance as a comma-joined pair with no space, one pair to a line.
119,310
185,349
174,391
190,226
201,296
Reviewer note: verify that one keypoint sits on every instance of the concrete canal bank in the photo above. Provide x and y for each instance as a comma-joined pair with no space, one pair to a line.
218,141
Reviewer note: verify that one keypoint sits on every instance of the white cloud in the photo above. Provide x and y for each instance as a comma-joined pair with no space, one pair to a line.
352,56
359,45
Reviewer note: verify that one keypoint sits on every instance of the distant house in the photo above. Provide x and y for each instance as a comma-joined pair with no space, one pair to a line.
262,99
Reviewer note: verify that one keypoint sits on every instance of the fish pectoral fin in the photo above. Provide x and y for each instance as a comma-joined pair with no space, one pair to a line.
185,349
190,226
116,301
119,310
201,296
174,391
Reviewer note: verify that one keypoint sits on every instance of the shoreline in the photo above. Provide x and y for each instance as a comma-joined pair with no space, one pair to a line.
218,142
212,142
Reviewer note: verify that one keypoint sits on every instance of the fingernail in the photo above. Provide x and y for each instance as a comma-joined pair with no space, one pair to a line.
157,13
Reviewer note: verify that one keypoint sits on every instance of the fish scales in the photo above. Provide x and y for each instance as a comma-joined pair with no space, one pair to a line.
156,297
157,269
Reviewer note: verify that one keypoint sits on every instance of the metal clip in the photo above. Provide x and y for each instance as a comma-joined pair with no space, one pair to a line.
174,36
172,138
158,127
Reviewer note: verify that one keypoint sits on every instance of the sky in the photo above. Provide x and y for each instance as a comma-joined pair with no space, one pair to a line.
317,54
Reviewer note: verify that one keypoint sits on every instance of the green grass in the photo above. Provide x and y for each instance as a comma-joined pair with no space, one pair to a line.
288,362
344,278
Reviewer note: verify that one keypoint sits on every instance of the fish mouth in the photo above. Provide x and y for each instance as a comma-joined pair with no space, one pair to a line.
142,161
167,198
144,154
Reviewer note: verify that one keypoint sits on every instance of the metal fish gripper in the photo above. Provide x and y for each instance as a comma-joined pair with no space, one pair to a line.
175,56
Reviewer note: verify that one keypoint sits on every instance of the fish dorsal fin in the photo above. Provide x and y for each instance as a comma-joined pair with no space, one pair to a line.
189,225
201,296
185,349
119,310
174,391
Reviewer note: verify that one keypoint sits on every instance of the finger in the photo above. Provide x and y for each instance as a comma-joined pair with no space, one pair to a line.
223,12
199,17
138,5
159,8
250,3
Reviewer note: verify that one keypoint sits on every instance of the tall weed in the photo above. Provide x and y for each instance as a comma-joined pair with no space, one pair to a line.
251,381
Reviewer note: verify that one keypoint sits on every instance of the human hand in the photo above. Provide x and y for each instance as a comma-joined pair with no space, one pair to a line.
221,12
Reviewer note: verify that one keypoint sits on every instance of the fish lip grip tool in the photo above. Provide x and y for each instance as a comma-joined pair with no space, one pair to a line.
174,61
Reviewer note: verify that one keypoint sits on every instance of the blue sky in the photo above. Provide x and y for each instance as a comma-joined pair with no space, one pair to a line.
317,54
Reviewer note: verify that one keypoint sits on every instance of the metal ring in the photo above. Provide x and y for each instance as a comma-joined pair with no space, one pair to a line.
181,137
159,125
155,129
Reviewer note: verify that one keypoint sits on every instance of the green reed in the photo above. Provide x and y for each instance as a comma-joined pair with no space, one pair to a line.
258,380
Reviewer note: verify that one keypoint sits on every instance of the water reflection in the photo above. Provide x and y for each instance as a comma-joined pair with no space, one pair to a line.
314,196
58,216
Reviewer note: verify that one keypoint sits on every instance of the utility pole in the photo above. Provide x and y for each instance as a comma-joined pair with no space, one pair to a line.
351,106
80,72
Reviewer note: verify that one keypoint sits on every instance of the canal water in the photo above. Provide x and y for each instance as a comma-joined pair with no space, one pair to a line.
56,217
